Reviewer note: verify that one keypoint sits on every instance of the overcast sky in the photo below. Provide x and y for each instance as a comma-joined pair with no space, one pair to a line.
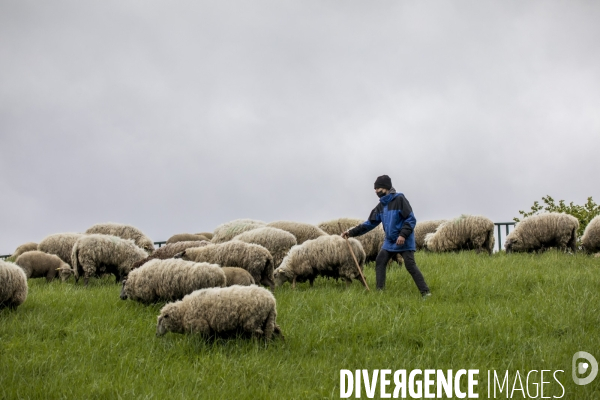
178,116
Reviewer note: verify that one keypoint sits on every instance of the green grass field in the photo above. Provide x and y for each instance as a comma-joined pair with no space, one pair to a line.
506,312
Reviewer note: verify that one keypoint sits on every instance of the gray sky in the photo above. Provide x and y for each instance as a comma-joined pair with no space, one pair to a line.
176,117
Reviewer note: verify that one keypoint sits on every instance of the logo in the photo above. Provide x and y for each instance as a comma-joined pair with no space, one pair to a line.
583,367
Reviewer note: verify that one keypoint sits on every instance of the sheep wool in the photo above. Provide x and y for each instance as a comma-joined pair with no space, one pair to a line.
186,237
60,244
208,235
590,241
277,241
22,249
237,276
252,257
227,231
37,264
300,230
124,232
423,228
170,280
371,241
95,254
169,251
249,310
541,231
466,232
326,256
13,285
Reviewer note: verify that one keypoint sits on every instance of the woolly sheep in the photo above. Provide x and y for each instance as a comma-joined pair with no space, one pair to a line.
169,251
37,264
186,237
30,246
170,280
222,311
124,232
423,228
300,230
227,231
466,232
237,276
252,257
327,256
96,254
60,244
371,241
590,241
13,285
277,241
539,232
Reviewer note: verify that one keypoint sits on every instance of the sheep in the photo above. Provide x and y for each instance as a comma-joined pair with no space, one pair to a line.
169,251
237,276
13,285
252,257
371,241
590,241
227,231
222,312
208,235
539,232
466,232
60,244
277,241
301,231
326,256
170,280
30,246
38,264
423,228
186,237
124,232
94,254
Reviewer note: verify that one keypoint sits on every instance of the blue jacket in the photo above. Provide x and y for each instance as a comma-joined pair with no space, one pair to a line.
395,212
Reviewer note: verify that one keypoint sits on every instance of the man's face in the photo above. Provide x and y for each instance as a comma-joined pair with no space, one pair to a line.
381,192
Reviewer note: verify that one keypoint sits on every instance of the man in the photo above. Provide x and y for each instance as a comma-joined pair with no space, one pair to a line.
395,212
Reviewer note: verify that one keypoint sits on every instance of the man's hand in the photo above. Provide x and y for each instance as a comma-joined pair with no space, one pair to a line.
345,235
400,240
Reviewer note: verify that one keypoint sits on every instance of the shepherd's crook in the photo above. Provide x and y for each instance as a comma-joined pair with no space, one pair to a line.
357,266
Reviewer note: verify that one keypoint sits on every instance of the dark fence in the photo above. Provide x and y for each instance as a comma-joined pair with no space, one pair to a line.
499,224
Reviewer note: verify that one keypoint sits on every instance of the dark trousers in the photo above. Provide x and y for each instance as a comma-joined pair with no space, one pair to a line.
384,257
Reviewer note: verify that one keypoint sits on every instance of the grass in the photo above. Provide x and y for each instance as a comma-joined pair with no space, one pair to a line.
513,312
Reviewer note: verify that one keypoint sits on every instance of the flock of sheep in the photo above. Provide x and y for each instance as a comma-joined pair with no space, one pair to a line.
211,279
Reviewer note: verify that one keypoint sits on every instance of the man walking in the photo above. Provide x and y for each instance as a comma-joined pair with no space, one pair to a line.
395,212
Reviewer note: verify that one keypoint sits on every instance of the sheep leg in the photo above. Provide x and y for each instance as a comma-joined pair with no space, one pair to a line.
294,283
86,280
311,281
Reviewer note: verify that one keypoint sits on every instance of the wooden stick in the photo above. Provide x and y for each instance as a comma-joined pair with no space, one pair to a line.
356,262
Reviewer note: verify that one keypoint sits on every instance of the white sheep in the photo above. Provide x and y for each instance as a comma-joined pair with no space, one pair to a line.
60,244
38,264
300,230
542,231
466,232
13,285
590,241
124,232
277,241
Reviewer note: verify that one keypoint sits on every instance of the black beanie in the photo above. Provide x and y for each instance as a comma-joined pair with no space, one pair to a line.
384,182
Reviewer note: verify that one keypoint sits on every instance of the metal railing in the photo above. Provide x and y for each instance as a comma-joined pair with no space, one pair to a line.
499,224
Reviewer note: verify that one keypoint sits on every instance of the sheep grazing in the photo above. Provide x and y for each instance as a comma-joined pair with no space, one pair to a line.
37,264
97,254
186,237
590,241
124,232
249,310
13,285
170,280
277,241
539,232
326,256
466,232
169,251
60,244
227,231
300,230
252,257
423,228
22,249
237,276
371,241
208,235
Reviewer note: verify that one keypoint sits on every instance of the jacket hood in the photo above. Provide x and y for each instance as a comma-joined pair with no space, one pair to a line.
389,197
